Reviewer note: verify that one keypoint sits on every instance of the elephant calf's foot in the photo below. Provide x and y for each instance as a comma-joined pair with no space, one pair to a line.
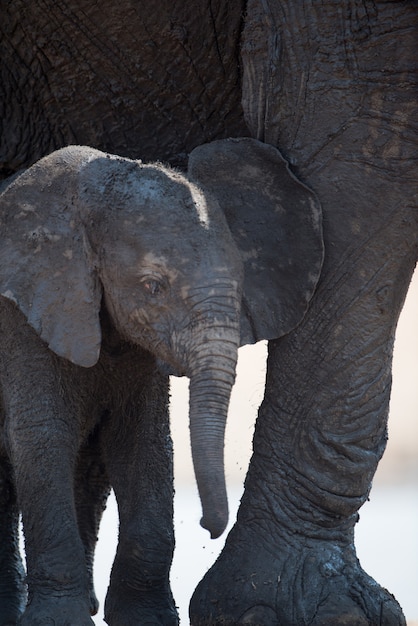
8,615
316,584
126,606
93,602
56,610
11,607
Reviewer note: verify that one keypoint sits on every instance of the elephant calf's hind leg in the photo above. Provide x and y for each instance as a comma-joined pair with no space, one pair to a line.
12,575
91,491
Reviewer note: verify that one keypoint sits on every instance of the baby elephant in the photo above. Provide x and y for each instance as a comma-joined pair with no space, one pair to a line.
110,268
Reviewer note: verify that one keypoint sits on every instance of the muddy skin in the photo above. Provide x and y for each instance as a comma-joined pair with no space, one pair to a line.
334,88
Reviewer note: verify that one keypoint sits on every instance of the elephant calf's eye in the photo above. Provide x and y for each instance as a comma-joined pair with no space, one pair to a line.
152,286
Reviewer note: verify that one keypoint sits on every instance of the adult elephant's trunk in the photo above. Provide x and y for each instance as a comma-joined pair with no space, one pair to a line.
211,381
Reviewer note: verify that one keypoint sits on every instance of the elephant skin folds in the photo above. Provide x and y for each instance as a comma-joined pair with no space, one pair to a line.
333,86
310,582
121,76
321,429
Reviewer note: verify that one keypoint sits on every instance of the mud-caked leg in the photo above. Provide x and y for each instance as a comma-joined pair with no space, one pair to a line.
138,453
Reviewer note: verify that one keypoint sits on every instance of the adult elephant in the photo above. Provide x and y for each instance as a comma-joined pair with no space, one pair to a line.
334,87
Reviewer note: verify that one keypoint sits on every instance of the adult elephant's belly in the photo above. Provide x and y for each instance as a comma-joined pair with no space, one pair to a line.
123,77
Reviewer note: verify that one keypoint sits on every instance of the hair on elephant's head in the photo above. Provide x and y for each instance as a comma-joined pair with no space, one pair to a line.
188,268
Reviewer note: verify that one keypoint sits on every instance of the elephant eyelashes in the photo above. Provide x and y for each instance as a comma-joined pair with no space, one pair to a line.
153,287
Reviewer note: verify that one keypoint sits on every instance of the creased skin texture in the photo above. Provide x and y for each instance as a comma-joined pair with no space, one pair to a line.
109,405
119,76
338,96
333,85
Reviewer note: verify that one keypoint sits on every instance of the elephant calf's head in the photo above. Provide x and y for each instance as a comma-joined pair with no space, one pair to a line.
188,270
169,267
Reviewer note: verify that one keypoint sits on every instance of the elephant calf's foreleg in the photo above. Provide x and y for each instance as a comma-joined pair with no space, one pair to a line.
42,439
138,453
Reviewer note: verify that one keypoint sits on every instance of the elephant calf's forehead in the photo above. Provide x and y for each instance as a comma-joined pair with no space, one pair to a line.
180,201
141,191
160,203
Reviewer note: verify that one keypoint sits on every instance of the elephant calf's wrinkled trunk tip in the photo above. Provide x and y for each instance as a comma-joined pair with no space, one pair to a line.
215,526
209,400
213,496
208,465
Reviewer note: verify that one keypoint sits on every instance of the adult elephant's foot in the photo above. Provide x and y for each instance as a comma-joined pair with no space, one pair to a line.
299,582
129,606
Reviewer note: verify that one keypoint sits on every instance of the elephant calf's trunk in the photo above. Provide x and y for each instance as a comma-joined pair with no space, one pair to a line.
210,391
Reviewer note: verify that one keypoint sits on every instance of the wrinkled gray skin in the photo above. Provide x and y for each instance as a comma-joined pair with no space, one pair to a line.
333,85
106,266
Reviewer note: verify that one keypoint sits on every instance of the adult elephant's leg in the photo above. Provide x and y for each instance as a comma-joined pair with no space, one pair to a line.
12,575
91,490
138,455
321,430
320,433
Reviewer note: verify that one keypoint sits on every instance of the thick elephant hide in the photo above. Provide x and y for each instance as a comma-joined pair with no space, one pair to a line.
122,77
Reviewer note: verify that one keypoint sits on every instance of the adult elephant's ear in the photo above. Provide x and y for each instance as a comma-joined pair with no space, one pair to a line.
276,223
45,263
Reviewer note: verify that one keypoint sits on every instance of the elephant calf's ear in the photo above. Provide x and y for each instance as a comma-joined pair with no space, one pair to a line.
276,223
44,264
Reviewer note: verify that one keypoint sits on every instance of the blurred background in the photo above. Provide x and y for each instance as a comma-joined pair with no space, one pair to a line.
387,534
